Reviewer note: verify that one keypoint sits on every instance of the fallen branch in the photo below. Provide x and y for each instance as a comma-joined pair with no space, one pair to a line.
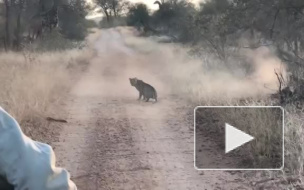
56,120
281,80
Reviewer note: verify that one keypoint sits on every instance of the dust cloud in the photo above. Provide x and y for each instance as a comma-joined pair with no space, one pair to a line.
171,70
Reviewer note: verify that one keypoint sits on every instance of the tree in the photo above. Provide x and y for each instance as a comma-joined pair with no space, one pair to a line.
112,8
280,23
210,28
38,16
106,6
138,15
174,18
122,8
72,19
7,39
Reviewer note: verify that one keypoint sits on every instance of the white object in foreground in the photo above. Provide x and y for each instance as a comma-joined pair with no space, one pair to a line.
235,138
27,164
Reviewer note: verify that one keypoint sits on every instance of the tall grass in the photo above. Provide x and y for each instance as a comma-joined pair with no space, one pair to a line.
33,85
294,141
219,87
230,89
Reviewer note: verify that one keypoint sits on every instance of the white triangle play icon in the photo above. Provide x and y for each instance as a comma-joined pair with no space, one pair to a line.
235,138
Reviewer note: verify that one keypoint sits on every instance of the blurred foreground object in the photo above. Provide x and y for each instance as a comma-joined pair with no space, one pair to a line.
27,164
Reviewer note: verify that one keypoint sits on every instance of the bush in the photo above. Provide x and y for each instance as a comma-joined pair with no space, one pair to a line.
54,41
72,22
114,22
138,15
33,85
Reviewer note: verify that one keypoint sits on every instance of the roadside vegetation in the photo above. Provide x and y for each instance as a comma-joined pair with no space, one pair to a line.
239,52
43,50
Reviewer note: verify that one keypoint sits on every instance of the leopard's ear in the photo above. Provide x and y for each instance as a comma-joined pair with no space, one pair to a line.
132,81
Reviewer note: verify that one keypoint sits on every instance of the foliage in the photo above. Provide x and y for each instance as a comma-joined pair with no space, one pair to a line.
72,20
114,22
138,14
113,8
54,41
175,18
22,21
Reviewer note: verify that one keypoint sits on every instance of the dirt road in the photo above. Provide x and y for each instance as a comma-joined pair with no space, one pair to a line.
113,141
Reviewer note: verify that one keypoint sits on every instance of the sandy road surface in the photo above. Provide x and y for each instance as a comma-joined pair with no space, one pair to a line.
113,141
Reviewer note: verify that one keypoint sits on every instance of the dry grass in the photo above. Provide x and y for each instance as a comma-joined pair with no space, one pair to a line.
230,89
33,85
294,141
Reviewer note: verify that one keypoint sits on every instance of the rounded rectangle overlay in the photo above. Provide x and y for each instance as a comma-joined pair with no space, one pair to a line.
239,138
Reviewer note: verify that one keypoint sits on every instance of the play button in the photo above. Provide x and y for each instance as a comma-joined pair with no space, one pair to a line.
235,138
238,137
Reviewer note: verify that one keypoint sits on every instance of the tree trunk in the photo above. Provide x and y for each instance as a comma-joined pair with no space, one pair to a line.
107,15
4,43
114,8
18,30
296,46
7,25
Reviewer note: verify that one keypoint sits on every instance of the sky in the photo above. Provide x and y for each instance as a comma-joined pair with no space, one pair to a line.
149,3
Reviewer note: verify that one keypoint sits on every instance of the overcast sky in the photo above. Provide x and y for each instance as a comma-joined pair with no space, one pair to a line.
149,3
